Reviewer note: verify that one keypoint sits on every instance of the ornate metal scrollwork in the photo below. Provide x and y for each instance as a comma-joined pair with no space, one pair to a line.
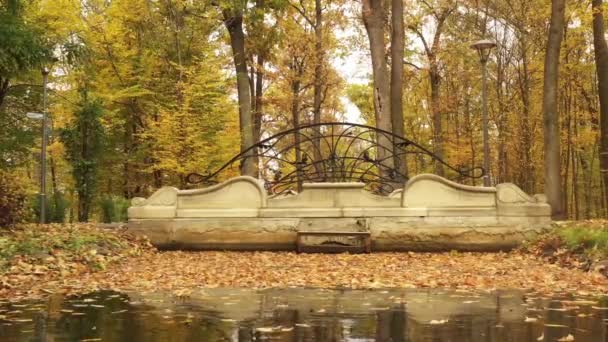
332,152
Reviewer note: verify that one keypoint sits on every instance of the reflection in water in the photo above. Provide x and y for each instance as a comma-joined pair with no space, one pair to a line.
306,315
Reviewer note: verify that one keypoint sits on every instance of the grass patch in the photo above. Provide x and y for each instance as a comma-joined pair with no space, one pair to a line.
574,243
64,244
588,238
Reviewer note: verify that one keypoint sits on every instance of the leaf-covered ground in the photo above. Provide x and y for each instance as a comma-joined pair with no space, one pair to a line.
35,258
114,260
180,271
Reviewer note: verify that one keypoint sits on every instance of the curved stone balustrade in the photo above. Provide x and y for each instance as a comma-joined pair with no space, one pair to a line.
429,213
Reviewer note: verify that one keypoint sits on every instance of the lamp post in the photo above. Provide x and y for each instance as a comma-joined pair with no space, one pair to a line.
483,48
45,76
42,116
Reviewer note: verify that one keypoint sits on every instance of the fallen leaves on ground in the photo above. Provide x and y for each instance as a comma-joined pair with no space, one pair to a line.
39,255
574,244
136,266
178,271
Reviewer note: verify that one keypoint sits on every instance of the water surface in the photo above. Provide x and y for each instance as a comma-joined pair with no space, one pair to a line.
306,315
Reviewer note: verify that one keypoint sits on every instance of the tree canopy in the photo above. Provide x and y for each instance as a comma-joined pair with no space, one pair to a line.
183,86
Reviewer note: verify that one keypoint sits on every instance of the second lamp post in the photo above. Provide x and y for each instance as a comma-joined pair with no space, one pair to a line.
483,48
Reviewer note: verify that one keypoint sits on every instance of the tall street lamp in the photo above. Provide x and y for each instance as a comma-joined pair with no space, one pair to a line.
483,48
42,116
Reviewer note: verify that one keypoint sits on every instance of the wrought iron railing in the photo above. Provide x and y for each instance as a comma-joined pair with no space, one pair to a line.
332,152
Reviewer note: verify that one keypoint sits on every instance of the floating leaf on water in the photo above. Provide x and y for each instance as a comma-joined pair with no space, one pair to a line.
579,302
440,321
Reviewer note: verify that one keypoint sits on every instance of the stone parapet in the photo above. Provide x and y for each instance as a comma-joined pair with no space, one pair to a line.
429,213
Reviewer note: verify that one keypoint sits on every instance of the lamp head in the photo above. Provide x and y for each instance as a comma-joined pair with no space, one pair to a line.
483,48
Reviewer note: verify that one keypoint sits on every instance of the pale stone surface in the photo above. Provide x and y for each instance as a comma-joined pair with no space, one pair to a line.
161,204
457,238
436,192
239,192
220,212
429,213
510,193
219,234
336,195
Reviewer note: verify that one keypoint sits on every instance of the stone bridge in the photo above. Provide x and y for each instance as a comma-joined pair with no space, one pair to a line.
428,213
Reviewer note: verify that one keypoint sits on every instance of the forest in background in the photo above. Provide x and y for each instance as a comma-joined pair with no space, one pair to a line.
143,92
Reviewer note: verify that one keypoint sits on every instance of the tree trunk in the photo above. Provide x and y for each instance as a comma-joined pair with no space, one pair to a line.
257,92
373,19
553,184
526,174
295,117
4,85
601,63
233,20
318,77
435,79
397,48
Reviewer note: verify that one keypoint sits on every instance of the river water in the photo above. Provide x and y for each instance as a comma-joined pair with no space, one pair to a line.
307,315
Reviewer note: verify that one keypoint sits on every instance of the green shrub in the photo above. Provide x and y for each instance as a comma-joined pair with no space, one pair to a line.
113,209
588,238
56,208
13,200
